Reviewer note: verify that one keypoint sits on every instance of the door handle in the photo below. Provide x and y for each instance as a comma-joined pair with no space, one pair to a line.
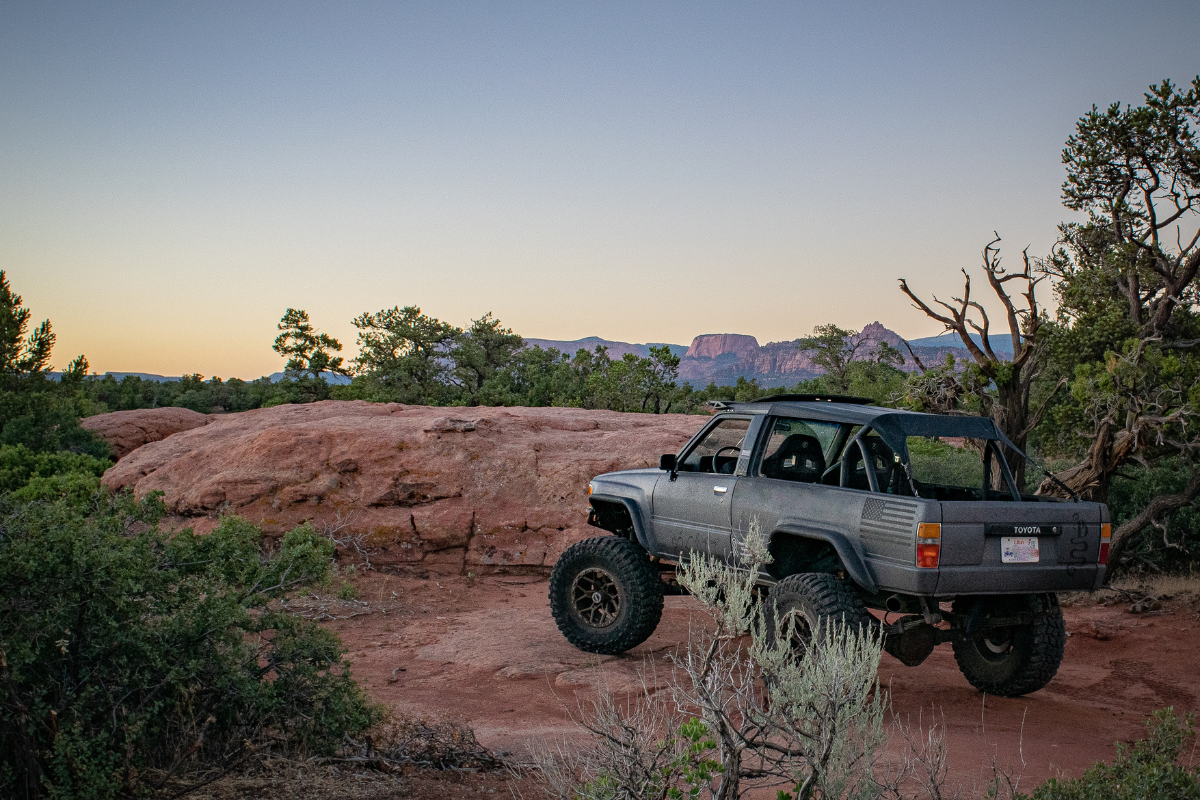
720,489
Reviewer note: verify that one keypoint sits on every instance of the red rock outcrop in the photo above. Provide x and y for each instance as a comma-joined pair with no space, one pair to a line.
126,431
450,488
713,345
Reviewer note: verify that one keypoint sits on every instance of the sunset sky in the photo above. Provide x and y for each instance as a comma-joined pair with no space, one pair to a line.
174,175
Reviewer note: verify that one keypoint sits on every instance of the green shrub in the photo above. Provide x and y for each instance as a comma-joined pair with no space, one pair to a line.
942,464
126,654
1175,547
1148,769
44,417
18,464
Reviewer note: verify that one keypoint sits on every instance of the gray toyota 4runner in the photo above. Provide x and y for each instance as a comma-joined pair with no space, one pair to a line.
862,508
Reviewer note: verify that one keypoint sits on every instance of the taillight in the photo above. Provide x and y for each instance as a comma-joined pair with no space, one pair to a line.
1105,538
929,544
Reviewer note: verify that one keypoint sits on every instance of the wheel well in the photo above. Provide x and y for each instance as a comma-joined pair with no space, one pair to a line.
612,517
795,554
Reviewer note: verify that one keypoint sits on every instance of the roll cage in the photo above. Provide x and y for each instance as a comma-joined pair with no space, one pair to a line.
870,451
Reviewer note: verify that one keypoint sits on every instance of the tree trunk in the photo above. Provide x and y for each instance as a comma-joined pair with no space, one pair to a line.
729,787
1011,415
1091,478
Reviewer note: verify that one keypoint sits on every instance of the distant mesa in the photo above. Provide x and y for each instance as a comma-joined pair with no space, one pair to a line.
715,345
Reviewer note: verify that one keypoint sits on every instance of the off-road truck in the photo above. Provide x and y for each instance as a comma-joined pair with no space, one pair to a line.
914,516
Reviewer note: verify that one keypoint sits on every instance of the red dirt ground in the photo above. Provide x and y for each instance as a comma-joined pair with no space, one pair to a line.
486,650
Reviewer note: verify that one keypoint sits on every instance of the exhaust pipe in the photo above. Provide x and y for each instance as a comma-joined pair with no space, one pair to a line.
894,603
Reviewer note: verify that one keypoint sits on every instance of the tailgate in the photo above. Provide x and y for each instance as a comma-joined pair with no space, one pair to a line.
1006,547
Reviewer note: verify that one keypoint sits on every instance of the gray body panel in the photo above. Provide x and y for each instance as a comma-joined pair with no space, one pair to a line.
873,533
692,513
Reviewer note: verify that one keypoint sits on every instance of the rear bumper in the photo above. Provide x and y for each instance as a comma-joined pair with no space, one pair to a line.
1018,579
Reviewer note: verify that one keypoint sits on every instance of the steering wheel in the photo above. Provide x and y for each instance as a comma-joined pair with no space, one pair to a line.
720,450
837,465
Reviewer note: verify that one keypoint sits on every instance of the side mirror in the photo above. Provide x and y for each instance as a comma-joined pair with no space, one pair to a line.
667,462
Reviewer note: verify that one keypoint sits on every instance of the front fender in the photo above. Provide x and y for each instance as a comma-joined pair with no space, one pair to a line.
848,548
636,515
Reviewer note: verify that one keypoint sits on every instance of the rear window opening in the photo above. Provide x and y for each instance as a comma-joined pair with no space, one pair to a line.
959,469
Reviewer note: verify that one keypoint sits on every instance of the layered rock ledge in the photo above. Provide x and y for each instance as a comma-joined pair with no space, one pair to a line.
126,431
448,488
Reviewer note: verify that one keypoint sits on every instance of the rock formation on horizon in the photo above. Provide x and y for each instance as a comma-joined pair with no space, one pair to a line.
722,358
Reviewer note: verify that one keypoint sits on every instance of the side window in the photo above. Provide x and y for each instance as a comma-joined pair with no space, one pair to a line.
796,449
719,449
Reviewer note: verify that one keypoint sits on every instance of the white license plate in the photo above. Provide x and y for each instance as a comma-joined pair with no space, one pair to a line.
1019,549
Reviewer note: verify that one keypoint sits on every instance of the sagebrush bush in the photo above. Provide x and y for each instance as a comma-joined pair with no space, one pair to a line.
127,655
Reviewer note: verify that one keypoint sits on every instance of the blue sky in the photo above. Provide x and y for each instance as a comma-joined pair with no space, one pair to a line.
174,175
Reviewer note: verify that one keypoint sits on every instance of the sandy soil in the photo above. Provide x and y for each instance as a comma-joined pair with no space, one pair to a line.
485,650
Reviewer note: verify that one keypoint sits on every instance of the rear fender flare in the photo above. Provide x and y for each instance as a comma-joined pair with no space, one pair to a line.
848,549
635,515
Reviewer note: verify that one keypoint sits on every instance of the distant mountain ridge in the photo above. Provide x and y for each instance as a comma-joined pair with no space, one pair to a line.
615,349
722,358
1001,345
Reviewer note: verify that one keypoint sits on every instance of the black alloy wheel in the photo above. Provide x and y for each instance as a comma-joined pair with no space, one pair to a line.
605,595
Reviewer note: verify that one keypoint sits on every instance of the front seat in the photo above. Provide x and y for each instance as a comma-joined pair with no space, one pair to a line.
798,458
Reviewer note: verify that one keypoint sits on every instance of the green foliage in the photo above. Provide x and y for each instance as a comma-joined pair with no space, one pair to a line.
19,464
402,355
194,392
1149,768
934,461
481,352
834,349
308,352
20,354
44,417
1175,546
682,767
128,653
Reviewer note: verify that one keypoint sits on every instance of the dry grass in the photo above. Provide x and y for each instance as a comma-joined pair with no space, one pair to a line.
1142,593
1160,585
402,757
291,781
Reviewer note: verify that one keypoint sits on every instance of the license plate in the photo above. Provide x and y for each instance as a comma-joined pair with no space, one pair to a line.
1019,549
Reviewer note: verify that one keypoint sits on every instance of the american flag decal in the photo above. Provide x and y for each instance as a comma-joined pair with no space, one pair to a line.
887,529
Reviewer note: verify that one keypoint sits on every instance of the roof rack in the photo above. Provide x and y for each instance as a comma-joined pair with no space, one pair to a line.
815,398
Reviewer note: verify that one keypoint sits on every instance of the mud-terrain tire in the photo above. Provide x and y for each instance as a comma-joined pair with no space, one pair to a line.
605,595
816,598
1010,662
